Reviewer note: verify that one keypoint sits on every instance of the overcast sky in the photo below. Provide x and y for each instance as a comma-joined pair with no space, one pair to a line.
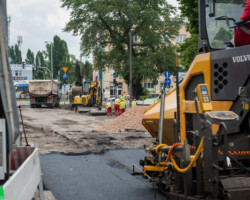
38,21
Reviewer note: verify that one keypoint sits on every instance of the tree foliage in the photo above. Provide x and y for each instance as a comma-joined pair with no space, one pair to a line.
87,71
70,63
15,55
189,49
40,59
60,54
39,62
104,27
30,57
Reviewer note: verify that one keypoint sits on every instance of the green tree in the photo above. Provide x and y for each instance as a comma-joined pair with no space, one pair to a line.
18,55
60,54
105,24
30,57
39,62
15,55
39,59
87,71
189,49
12,54
70,63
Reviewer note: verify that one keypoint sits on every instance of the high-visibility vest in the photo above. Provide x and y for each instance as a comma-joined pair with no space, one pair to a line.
122,105
108,105
123,97
133,103
117,101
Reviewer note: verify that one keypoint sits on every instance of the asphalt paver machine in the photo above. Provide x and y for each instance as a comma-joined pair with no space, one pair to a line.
203,149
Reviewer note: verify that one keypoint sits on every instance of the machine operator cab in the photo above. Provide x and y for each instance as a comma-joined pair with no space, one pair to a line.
218,23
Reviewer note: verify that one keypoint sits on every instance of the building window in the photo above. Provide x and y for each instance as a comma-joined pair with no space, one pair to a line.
165,39
134,38
149,86
162,84
114,90
181,38
167,88
19,72
16,72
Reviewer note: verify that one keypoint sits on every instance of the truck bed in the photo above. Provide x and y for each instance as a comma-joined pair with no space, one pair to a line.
42,88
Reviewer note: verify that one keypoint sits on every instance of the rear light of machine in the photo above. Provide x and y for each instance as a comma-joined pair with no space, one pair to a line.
49,97
31,97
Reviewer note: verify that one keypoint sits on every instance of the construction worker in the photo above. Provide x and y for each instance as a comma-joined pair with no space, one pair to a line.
123,97
122,107
108,109
242,33
117,102
134,103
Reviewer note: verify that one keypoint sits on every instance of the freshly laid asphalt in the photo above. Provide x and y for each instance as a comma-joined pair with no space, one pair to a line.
92,177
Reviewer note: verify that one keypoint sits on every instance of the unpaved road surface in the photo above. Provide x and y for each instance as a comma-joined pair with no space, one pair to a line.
61,130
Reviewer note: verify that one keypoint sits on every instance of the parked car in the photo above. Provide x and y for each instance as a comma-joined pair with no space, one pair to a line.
152,99
110,99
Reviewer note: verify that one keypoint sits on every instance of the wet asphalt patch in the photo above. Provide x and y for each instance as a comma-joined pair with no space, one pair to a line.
96,176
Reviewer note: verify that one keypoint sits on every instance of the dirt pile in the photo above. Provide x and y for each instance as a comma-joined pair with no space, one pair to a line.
131,119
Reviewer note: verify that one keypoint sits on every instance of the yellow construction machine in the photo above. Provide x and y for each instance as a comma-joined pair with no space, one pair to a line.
202,129
85,94
90,98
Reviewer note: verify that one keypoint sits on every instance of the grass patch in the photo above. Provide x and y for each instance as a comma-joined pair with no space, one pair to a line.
22,100
62,100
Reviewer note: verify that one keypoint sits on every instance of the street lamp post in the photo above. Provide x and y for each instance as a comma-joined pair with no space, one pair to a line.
130,55
51,56
130,65
45,68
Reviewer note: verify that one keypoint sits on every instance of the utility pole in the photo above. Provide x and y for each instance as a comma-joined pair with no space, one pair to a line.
19,42
51,56
130,54
130,66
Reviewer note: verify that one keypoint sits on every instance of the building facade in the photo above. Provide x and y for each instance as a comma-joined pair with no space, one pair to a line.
21,75
21,72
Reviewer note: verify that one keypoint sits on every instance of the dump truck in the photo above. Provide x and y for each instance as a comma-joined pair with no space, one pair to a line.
202,128
44,92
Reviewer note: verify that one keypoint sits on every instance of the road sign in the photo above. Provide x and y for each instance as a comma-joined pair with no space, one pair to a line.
65,75
167,74
167,81
65,69
114,68
114,75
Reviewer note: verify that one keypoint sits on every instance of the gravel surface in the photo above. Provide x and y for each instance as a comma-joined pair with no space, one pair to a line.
131,119
61,130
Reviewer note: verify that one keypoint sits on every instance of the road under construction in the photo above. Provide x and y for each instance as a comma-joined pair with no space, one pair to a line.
194,143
